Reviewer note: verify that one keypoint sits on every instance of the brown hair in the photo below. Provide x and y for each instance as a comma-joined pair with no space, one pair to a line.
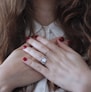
16,15
75,17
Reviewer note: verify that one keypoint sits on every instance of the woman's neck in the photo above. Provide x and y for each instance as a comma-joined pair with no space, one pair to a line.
44,11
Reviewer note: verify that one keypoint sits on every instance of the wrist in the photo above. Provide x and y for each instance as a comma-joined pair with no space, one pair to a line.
4,83
4,88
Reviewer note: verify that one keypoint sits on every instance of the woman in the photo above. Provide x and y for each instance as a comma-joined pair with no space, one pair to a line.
66,65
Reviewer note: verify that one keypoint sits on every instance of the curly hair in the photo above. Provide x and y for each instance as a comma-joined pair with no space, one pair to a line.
74,17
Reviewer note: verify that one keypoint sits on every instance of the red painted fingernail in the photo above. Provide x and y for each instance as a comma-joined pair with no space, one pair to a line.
35,37
61,39
69,42
31,46
27,38
24,59
25,46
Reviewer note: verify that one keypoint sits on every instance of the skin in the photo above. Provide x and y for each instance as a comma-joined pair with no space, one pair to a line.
9,69
69,69
23,73
13,73
14,68
44,11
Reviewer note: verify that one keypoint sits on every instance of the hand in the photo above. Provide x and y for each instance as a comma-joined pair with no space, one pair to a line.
13,67
62,39
64,66
13,73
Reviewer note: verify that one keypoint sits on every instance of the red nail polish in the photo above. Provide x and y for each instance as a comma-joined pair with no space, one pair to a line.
27,38
61,39
25,46
69,42
31,46
24,59
35,37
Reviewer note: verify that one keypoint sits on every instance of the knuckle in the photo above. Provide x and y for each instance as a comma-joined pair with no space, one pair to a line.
31,58
38,67
47,52
41,56
47,42
41,46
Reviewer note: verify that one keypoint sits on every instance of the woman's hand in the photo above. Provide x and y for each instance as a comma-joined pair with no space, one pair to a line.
64,66
14,73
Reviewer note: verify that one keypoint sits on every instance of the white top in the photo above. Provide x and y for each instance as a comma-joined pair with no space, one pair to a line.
50,32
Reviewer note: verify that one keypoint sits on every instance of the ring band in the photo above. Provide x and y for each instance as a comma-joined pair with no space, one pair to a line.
43,61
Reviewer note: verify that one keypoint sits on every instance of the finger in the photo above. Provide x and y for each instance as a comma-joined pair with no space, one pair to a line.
66,42
36,66
37,55
40,47
23,46
63,46
54,40
63,40
49,44
47,52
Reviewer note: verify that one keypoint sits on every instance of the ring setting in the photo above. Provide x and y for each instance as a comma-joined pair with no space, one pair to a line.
43,61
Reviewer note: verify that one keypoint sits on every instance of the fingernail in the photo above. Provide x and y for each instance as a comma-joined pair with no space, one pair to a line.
27,51
27,38
24,46
69,42
61,39
24,59
35,37
31,46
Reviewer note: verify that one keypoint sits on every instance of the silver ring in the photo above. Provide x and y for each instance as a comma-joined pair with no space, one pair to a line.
43,61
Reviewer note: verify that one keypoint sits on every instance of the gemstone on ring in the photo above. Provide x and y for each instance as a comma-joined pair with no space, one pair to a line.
43,61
